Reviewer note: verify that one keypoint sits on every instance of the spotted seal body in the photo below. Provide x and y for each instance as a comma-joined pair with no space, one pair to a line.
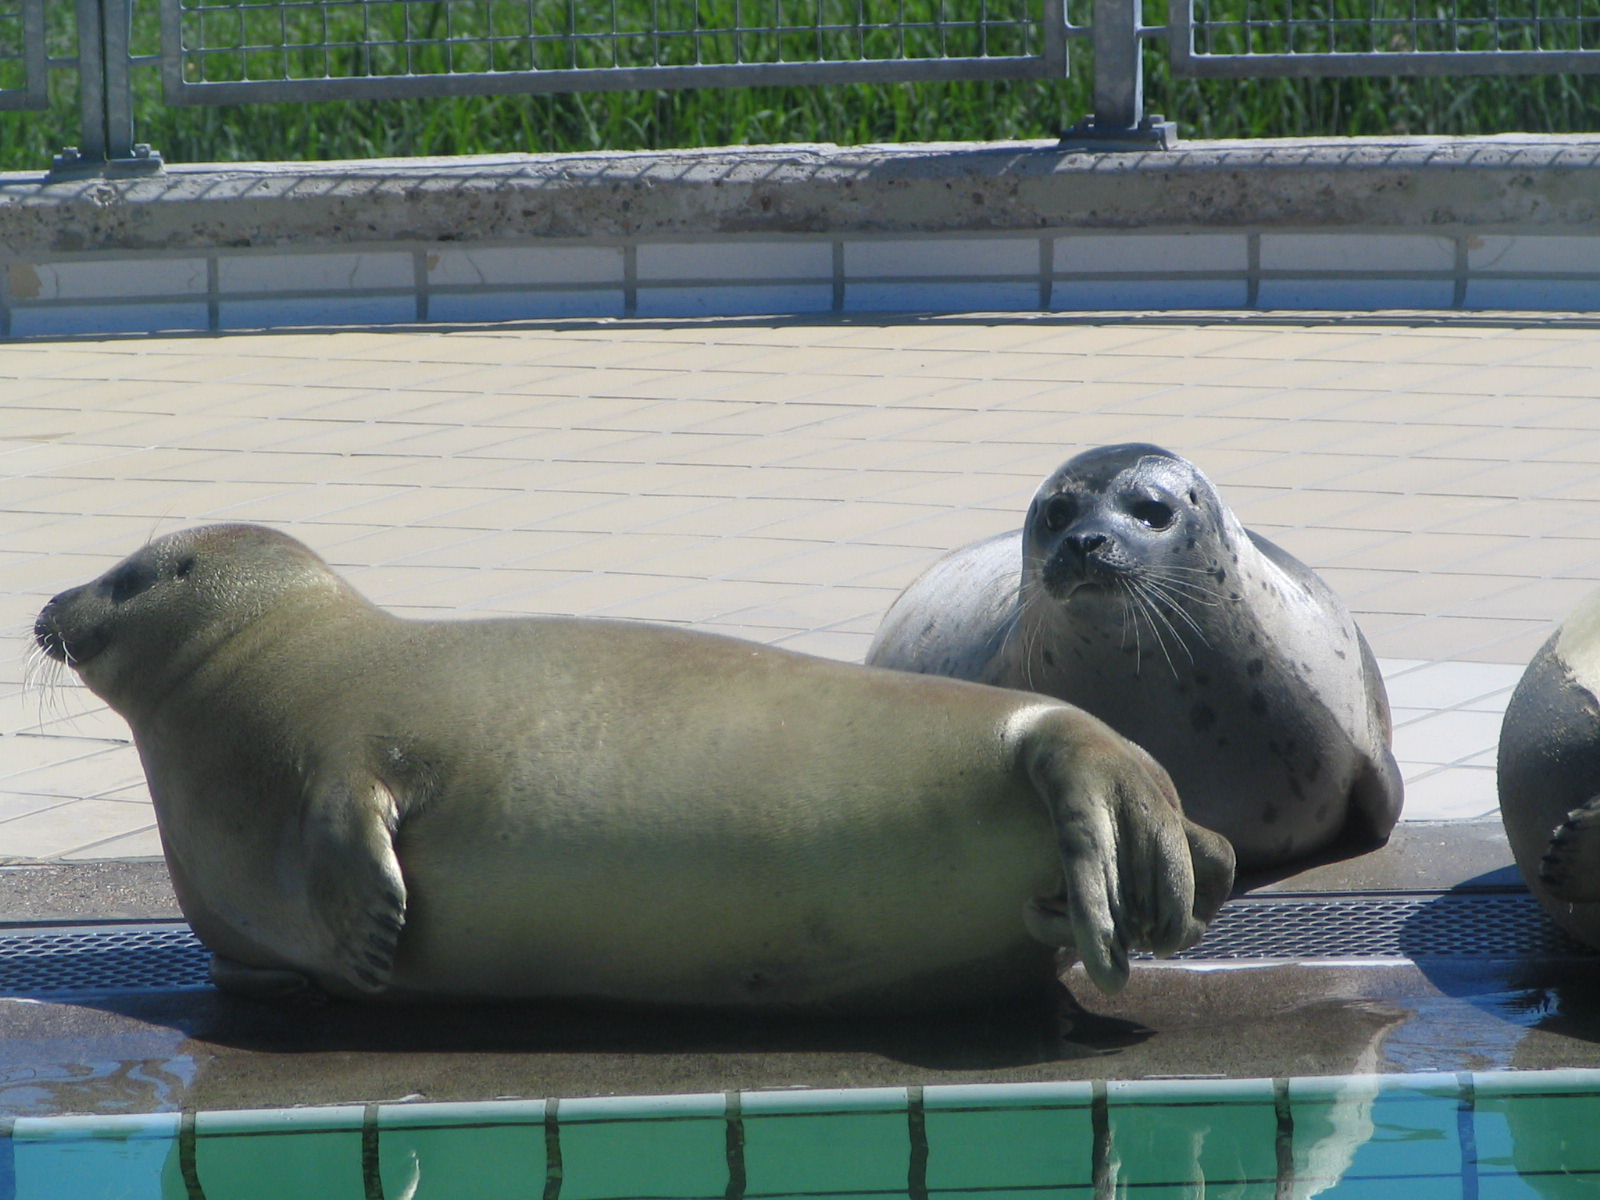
1549,773
1135,593
550,807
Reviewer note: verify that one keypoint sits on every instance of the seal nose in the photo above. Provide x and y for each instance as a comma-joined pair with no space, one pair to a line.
1085,544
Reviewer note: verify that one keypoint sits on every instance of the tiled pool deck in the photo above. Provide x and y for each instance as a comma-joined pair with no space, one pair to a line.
782,480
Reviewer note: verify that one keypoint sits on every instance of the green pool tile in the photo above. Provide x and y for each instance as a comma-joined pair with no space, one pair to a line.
1380,1127
794,1144
98,1158
270,1154
1426,1187
643,1158
462,1151
1548,1136
1194,1191
1208,1139
1009,1148
1493,1185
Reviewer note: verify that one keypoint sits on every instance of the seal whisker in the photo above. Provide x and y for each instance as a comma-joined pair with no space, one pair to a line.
1172,603
1152,613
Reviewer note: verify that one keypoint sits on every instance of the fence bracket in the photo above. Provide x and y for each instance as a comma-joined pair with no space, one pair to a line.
1153,132
71,163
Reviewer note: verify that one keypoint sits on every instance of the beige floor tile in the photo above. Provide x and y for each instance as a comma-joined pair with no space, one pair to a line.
64,828
1547,600
1546,557
588,594
945,530
143,844
666,554
93,774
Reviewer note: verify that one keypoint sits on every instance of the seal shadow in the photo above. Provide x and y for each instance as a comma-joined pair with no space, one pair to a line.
1025,1031
1543,980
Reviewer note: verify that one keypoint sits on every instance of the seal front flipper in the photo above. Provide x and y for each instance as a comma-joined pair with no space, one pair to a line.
353,885
1136,874
1571,867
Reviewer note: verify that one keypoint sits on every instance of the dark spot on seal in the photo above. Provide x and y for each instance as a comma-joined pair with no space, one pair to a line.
1338,652
1253,639
754,981
1234,596
1313,768
1294,786
1221,576
1221,742
1256,667
1049,659
1193,499
1202,717
1274,749
1258,703
1269,814
1201,679
1322,810
1190,544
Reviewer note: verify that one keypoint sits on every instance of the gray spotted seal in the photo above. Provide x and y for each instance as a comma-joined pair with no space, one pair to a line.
547,807
1134,592
1549,773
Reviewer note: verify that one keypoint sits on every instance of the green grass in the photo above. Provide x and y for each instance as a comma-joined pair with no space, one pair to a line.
663,119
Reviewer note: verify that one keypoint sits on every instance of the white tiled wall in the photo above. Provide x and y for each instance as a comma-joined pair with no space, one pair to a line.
1350,269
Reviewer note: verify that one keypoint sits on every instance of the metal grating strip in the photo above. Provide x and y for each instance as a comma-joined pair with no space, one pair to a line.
1430,926
40,962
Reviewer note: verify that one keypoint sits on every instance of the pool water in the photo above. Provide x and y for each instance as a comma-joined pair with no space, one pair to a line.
1473,1136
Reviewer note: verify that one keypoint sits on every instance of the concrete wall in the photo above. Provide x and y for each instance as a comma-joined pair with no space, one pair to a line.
1481,223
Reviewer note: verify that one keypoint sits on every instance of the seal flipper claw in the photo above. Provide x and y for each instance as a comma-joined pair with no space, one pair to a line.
355,886
1571,867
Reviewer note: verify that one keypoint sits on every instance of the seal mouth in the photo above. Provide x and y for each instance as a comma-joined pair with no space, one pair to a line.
56,645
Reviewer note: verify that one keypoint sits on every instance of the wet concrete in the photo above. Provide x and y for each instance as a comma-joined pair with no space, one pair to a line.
158,1051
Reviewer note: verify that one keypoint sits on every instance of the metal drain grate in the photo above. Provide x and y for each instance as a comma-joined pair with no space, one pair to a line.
42,962
1479,926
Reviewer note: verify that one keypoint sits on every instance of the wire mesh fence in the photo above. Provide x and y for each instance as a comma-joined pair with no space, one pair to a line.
217,52
1350,37
222,51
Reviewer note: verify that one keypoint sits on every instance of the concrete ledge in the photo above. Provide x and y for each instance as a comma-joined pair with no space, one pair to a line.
1512,182
1510,222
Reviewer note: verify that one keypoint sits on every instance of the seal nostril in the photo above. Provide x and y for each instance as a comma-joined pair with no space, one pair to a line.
1087,543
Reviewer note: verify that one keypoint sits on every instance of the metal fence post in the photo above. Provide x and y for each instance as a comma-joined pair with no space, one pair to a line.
1119,121
105,96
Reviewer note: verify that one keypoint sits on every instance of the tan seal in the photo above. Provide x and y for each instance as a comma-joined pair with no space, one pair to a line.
549,807
1549,773
1133,591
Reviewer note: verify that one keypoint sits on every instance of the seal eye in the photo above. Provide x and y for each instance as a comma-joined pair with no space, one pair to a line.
129,580
1152,514
1058,513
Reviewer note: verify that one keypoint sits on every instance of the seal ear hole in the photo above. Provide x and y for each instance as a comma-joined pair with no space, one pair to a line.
1193,497
1058,513
185,565
1153,514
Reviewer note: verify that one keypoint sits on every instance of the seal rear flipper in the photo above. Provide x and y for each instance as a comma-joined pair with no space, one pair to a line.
355,890
263,983
1374,803
1570,869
